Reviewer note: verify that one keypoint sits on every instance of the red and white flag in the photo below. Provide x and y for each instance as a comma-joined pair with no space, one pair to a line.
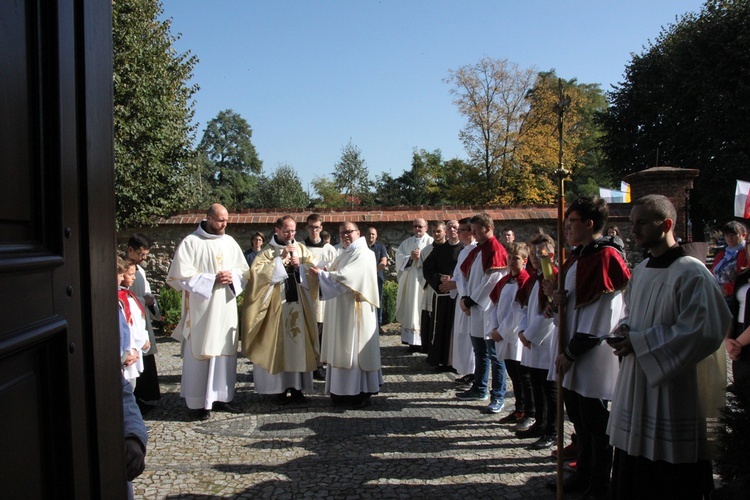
742,200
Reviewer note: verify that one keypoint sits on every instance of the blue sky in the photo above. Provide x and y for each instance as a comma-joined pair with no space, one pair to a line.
309,76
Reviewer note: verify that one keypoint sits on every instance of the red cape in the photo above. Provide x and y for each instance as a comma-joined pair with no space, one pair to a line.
598,272
494,256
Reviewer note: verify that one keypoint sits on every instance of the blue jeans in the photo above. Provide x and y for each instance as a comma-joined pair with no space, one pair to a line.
486,360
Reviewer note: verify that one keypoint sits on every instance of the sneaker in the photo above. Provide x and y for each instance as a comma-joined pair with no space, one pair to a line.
472,395
512,418
466,379
495,406
524,424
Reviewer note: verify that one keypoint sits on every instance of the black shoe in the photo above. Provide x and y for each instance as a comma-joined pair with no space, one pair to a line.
282,399
201,414
320,373
227,407
144,406
415,349
361,401
465,380
512,418
544,442
296,397
571,484
535,431
592,493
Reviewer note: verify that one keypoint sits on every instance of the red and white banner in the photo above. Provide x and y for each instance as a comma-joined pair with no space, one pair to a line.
742,200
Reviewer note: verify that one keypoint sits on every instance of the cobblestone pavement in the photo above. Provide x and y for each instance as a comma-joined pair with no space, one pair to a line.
415,441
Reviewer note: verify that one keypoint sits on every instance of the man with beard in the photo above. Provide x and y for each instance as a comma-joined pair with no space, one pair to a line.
210,270
672,374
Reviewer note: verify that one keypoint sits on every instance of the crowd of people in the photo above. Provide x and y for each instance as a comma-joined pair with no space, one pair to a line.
638,351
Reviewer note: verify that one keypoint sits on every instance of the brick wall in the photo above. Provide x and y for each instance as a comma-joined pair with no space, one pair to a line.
393,224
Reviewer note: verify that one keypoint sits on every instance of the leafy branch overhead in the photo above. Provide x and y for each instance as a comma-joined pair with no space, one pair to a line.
152,114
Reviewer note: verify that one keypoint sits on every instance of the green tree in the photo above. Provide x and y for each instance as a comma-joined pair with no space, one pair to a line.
152,114
491,94
329,195
196,182
350,175
227,144
684,103
458,180
283,189
416,186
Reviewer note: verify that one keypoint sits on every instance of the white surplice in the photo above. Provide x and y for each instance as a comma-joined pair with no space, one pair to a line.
669,391
462,354
593,374
539,331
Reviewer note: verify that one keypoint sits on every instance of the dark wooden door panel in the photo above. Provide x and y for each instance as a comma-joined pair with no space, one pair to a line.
60,397
33,394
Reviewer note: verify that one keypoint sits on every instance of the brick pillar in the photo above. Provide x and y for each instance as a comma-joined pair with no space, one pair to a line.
674,183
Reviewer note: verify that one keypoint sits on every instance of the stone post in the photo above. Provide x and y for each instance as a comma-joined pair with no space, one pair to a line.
674,183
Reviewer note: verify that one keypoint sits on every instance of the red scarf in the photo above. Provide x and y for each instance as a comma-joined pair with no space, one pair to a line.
494,256
522,278
122,295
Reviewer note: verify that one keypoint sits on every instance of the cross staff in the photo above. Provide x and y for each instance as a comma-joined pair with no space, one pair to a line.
560,107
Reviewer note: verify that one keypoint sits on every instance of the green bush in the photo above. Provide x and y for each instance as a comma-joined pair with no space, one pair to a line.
390,289
170,305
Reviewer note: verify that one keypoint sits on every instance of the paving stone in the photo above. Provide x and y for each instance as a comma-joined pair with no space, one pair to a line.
416,440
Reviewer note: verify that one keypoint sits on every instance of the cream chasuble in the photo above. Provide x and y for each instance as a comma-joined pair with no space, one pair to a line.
277,335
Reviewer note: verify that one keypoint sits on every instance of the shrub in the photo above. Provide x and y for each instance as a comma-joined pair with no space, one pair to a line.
390,289
170,305
733,462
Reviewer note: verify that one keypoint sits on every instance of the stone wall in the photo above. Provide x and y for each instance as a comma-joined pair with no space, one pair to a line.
393,226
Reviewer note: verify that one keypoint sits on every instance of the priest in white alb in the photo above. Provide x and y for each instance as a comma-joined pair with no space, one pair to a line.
351,343
210,270
411,284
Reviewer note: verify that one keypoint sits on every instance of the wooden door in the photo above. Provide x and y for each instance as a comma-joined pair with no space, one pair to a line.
60,395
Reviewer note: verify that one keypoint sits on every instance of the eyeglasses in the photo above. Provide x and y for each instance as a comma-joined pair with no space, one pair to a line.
347,232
